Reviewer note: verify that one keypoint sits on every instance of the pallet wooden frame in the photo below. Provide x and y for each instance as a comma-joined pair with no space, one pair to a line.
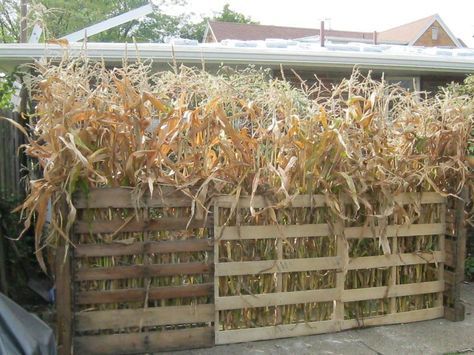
341,263
69,321
456,243
80,331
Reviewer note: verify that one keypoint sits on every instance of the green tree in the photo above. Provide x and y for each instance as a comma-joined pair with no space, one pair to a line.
228,15
9,21
61,17
196,31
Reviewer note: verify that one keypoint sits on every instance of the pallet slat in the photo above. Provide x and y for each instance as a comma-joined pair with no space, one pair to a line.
138,295
151,247
275,332
147,342
262,202
372,293
311,328
123,198
402,317
383,261
410,230
272,266
272,231
320,200
141,271
275,299
154,316
131,226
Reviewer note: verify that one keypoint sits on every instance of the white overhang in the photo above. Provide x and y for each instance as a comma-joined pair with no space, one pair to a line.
342,56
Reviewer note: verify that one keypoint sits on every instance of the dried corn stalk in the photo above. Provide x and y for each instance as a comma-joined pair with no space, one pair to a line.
237,132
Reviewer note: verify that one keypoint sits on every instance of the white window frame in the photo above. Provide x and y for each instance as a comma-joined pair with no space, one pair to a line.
434,33
398,78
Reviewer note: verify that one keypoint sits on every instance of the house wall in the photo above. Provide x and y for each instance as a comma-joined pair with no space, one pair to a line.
443,38
431,83
428,82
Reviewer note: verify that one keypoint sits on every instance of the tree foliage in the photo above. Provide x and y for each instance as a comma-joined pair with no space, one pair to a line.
9,21
228,15
61,17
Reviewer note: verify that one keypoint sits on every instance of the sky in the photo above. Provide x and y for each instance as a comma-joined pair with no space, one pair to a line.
355,15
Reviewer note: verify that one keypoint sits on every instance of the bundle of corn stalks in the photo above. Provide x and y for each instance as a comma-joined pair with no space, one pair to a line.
238,133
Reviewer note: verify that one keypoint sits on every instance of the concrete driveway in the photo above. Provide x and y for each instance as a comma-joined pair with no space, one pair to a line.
437,336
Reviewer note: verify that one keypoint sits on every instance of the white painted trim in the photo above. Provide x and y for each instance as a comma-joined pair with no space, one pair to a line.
209,27
445,28
204,36
36,33
110,23
397,78
12,54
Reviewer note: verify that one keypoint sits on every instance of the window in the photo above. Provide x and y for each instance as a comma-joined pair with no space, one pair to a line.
434,33
411,83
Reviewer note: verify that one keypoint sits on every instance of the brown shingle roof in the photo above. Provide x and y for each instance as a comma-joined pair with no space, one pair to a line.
249,32
407,32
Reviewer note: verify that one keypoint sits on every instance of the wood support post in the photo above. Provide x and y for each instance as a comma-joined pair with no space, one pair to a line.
456,313
64,300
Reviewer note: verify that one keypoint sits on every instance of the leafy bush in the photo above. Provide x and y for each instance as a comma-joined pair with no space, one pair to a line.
469,268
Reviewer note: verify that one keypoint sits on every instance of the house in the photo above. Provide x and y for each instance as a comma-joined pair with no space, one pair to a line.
421,55
430,31
417,68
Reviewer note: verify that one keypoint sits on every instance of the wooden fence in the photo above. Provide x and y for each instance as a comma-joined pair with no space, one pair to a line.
138,285
10,161
164,282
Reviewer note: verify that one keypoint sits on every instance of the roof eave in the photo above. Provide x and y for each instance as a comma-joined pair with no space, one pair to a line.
11,55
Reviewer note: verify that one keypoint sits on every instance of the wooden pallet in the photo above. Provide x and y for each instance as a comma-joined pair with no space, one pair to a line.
341,263
133,317
116,318
456,235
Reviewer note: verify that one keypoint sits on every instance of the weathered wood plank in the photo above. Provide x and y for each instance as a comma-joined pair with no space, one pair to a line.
168,197
133,225
262,201
147,342
275,332
272,231
272,266
319,230
275,299
402,230
151,247
64,297
394,318
422,197
450,246
215,255
457,313
320,200
121,197
342,250
141,271
310,328
371,293
147,317
368,262
138,295
449,277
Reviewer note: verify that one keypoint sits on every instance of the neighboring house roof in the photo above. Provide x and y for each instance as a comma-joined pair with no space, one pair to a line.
406,34
253,32
409,33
